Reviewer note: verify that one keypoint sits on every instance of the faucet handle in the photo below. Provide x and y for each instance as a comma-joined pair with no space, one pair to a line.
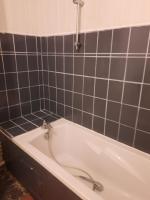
44,125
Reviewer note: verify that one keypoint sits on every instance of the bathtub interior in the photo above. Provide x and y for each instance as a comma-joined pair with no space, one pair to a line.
124,172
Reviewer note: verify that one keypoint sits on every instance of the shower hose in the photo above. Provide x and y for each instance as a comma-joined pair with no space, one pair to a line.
96,186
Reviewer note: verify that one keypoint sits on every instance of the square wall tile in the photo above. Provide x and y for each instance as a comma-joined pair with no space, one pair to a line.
78,65
34,79
88,104
98,125
60,80
68,44
145,99
77,116
9,63
131,93
15,111
115,91
32,62
7,42
52,79
26,108
68,64
1,65
23,78
51,63
22,62
13,97
136,44
111,129
91,42
142,141
68,98
59,64
120,40
88,86
60,110
59,44
77,101
20,43
60,96
68,113
99,107
89,66
113,111
24,95
104,41
78,84
147,71
128,115
44,43
31,43
87,120
53,93
101,88
126,135
143,120
51,44
11,80
102,67
2,82
135,67
4,115
117,68
68,82
3,99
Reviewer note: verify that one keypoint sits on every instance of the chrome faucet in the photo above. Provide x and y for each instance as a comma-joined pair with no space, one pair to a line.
47,126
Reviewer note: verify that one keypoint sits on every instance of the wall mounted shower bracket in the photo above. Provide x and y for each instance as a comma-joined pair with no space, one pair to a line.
79,3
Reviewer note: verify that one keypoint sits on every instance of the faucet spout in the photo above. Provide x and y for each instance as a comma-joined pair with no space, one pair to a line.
48,127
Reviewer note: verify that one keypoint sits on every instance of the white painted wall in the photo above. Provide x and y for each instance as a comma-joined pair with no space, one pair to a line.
48,17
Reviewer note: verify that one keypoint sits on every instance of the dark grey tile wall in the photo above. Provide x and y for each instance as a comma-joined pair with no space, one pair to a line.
105,86
20,75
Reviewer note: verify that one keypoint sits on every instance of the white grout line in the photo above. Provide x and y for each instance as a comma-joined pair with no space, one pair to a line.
140,97
20,72
38,69
5,83
95,80
123,87
48,66
28,71
28,121
73,76
54,40
101,78
107,93
17,74
83,76
73,88
17,126
42,70
64,72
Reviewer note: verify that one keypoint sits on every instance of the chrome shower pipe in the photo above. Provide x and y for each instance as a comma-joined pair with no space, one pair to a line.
79,3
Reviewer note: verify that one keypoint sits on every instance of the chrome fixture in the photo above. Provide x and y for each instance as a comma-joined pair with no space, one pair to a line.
47,126
79,4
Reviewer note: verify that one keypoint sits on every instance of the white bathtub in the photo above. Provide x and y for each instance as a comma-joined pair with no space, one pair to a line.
123,171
